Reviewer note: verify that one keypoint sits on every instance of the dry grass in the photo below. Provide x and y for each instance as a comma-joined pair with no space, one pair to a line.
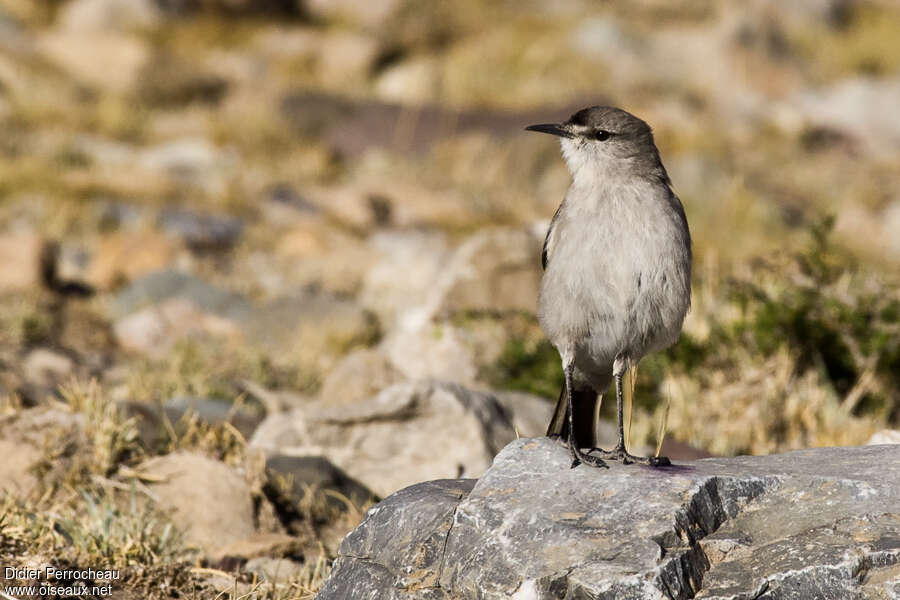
90,510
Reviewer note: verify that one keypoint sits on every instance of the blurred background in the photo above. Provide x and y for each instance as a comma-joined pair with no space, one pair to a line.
225,210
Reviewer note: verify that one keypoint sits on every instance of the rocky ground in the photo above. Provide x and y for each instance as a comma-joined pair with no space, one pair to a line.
819,523
266,262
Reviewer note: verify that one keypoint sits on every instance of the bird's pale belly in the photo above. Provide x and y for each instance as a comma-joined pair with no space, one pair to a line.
599,321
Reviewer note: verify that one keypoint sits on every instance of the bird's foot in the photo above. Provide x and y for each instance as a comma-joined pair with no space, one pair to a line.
619,453
579,457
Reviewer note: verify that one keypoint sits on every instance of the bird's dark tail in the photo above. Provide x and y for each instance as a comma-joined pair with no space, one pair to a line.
585,402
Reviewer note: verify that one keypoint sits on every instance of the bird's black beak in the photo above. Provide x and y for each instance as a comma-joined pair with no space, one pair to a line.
552,129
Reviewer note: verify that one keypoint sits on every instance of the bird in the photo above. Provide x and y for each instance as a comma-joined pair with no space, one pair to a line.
616,281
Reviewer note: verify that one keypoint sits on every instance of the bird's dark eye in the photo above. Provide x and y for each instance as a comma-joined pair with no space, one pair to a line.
601,135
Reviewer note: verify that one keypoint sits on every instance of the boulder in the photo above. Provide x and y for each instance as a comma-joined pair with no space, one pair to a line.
822,523
409,432
207,500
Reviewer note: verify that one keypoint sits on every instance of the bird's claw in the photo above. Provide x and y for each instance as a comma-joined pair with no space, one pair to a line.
619,453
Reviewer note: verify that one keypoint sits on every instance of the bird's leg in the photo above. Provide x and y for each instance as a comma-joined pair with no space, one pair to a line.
619,367
620,452
578,456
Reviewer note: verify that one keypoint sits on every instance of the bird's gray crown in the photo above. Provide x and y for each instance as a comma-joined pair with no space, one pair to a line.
614,121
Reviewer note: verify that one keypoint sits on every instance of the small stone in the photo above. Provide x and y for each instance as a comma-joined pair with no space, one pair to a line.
261,545
157,287
305,472
106,60
857,107
47,368
106,15
372,14
205,499
885,436
213,412
192,161
26,437
415,81
409,432
311,328
201,231
16,477
346,57
20,255
123,256
274,570
357,376
314,254
155,329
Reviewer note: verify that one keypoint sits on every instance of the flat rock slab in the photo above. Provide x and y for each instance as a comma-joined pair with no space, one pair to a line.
822,523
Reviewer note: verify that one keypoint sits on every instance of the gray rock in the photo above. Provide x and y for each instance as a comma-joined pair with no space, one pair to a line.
409,432
157,310
168,284
822,523
155,431
303,472
201,231
193,161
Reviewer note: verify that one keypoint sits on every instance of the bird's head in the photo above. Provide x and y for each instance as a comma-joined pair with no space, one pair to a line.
603,141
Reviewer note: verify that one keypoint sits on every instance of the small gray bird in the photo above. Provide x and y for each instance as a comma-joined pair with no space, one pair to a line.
617,270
